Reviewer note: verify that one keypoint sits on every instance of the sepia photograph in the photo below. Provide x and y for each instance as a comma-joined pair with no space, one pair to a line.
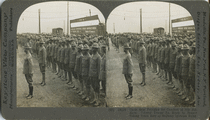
61,56
69,55
151,62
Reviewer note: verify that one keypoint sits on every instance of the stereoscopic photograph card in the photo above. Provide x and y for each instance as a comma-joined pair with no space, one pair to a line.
101,59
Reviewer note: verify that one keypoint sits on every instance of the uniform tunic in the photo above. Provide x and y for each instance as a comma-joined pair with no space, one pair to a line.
94,71
192,71
66,57
78,63
56,51
95,62
28,64
172,59
42,55
142,58
72,61
28,68
102,75
58,54
85,64
159,54
42,59
185,69
127,64
128,69
167,56
178,64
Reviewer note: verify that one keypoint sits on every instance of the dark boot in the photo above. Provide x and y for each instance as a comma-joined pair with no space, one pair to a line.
32,90
43,79
30,93
143,79
130,93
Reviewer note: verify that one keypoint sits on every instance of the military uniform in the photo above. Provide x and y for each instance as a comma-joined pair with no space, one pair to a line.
28,71
62,57
72,61
66,60
42,61
185,72
192,74
166,60
94,71
102,75
78,63
85,65
128,71
48,54
172,60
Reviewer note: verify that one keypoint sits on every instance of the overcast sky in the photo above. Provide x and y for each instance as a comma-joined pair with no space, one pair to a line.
126,17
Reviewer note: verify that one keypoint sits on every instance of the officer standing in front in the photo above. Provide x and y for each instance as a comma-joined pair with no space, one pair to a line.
128,70
142,60
28,70
42,60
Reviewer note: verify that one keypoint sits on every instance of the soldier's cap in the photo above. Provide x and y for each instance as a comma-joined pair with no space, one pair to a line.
86,47
41,41
172,39
79,42
180,46
27,46
185,40
129,37
85,41
95,45
193,45
95,40
185,47
173,44
103,45
168,40
73,44
126,46
80,47
141,41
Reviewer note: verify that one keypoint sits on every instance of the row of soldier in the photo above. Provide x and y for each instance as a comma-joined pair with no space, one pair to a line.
173,62
71,58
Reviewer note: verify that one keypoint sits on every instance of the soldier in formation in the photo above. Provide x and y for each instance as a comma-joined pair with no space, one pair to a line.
42,60
170,58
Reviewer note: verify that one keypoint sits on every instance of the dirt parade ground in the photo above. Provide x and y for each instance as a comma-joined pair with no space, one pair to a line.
156,93
56,93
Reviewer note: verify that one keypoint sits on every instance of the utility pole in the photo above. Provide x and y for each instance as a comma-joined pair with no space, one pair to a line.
64,26
68,18
165,25
114,27
90,11
140,20
169,19
39,23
